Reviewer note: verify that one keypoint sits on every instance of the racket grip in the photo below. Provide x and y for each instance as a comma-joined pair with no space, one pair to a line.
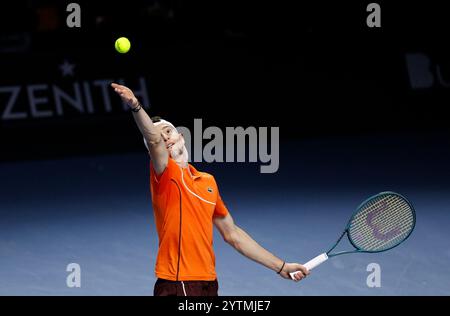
311,264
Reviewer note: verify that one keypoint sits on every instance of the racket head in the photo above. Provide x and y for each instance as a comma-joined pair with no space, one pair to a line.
381,222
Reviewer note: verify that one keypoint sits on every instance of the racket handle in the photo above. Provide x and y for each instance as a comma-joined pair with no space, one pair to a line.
311,264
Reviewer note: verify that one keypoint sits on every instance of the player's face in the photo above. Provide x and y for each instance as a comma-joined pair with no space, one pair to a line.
174,141
170,136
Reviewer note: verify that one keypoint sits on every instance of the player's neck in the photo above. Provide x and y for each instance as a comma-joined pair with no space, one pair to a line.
181,158
183,164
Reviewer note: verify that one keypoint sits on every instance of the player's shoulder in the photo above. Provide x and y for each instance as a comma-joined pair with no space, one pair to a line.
206,176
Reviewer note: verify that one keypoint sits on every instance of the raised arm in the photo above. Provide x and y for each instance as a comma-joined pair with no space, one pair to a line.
243,243
152,134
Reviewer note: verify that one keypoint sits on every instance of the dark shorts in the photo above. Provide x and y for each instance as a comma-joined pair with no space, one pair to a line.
185,288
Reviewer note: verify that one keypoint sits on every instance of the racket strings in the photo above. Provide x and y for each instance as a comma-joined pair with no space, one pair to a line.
395,217
382,223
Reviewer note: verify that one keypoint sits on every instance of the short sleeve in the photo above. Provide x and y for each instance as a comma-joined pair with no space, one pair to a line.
220,210
158,182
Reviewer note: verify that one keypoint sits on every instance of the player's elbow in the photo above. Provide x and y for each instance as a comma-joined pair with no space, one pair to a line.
153,139
231,237
227,238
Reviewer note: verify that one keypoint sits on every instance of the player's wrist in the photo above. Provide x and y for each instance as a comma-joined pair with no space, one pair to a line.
134,103
137,107
281,268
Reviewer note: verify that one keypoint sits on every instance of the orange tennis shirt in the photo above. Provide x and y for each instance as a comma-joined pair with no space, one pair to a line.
184,207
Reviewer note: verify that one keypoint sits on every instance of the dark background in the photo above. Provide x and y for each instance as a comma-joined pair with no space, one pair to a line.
313,69
360,111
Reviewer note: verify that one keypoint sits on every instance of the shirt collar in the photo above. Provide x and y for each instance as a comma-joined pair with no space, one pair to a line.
194,172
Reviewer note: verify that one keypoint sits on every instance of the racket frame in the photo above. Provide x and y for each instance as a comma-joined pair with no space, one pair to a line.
346,231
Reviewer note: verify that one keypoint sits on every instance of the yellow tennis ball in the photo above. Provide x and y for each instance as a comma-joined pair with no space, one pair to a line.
122,45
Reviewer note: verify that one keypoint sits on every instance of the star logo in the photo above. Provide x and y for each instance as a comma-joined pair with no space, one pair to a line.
67,68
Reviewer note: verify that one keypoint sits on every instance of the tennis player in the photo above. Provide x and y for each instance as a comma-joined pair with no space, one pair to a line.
186,204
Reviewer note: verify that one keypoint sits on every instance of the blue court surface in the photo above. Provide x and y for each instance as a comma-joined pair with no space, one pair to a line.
96,211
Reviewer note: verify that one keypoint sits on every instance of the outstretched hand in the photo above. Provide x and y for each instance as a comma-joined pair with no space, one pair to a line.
292,267
126,94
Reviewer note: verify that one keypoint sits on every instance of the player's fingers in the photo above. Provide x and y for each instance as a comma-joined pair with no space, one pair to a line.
298,276
122,91
115,85
303,269
119,88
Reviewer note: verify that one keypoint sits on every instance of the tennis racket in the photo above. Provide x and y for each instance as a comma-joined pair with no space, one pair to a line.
380,223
